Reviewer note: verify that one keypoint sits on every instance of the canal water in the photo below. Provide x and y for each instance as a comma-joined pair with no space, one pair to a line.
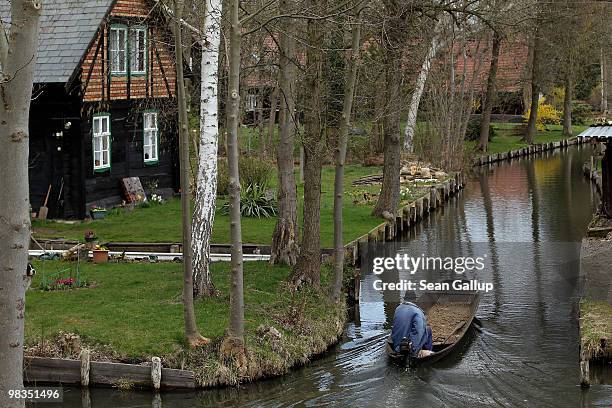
528,216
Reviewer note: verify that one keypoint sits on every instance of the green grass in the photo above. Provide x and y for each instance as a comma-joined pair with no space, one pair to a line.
135,308
162,223
507,137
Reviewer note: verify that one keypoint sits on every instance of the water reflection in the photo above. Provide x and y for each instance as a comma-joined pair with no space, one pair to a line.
523,214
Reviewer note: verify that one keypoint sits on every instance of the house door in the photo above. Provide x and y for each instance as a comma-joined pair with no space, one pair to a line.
67,183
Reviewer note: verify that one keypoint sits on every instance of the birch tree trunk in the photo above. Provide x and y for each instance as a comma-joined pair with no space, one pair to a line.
347,108
485,123
17,59
284,248
417,94
308,268
236,323
206,187
191,330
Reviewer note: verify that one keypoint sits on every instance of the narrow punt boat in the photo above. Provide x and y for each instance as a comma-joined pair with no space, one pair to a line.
450,314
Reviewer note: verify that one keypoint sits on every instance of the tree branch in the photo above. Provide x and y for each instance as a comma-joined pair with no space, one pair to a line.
336,11
170,14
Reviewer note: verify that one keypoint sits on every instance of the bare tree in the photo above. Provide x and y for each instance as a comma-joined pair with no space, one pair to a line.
490,92
191,330
308,267
272,117
347,107
393,38
17,62
206,187
451,92
419,87
535,88
285,238
236,323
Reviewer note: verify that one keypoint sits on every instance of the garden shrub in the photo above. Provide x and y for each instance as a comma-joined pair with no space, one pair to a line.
582,113
254,202
253,171
222,178
473,130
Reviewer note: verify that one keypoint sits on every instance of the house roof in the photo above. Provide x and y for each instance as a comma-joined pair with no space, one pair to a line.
66,30
598,132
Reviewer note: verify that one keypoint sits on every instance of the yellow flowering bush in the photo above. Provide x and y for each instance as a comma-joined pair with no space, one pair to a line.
547,115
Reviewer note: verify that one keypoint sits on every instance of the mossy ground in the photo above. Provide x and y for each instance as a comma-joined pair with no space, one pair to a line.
595,325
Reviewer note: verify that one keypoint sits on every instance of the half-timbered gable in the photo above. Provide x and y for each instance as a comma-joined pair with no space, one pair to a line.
129,56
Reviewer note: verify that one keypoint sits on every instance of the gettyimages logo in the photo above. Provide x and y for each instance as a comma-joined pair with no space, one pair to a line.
414,264
396,268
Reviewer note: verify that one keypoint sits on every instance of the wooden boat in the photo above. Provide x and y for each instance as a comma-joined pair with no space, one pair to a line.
450,314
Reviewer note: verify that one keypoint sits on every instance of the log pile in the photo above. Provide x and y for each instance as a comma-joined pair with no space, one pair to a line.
410,172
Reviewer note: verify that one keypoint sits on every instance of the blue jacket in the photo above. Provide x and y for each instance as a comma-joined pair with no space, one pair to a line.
409,322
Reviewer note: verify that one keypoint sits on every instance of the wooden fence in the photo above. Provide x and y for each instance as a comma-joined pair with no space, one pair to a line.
96,373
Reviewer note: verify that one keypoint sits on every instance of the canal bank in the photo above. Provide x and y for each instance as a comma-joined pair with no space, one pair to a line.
524,354
284,330
596,280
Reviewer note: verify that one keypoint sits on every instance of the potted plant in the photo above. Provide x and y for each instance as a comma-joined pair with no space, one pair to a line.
100,254
90,236
97,213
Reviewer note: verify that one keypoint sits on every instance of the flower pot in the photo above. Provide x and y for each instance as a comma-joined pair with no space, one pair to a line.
100,256
98,214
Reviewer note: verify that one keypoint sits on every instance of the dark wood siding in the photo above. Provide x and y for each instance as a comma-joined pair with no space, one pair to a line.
104,188
54,157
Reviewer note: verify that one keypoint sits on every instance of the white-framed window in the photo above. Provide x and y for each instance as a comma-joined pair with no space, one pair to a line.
138,50
151,141
118,43
250,103
101,142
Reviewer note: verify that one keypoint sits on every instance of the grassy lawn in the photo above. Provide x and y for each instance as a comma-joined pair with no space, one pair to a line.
162,223
507,137
136,309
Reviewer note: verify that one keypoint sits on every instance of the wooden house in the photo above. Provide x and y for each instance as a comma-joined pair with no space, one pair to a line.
103,105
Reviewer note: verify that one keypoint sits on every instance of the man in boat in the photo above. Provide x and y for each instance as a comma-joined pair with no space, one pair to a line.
410,325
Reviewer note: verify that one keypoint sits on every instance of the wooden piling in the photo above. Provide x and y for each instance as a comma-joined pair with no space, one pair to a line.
156,373
85,367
